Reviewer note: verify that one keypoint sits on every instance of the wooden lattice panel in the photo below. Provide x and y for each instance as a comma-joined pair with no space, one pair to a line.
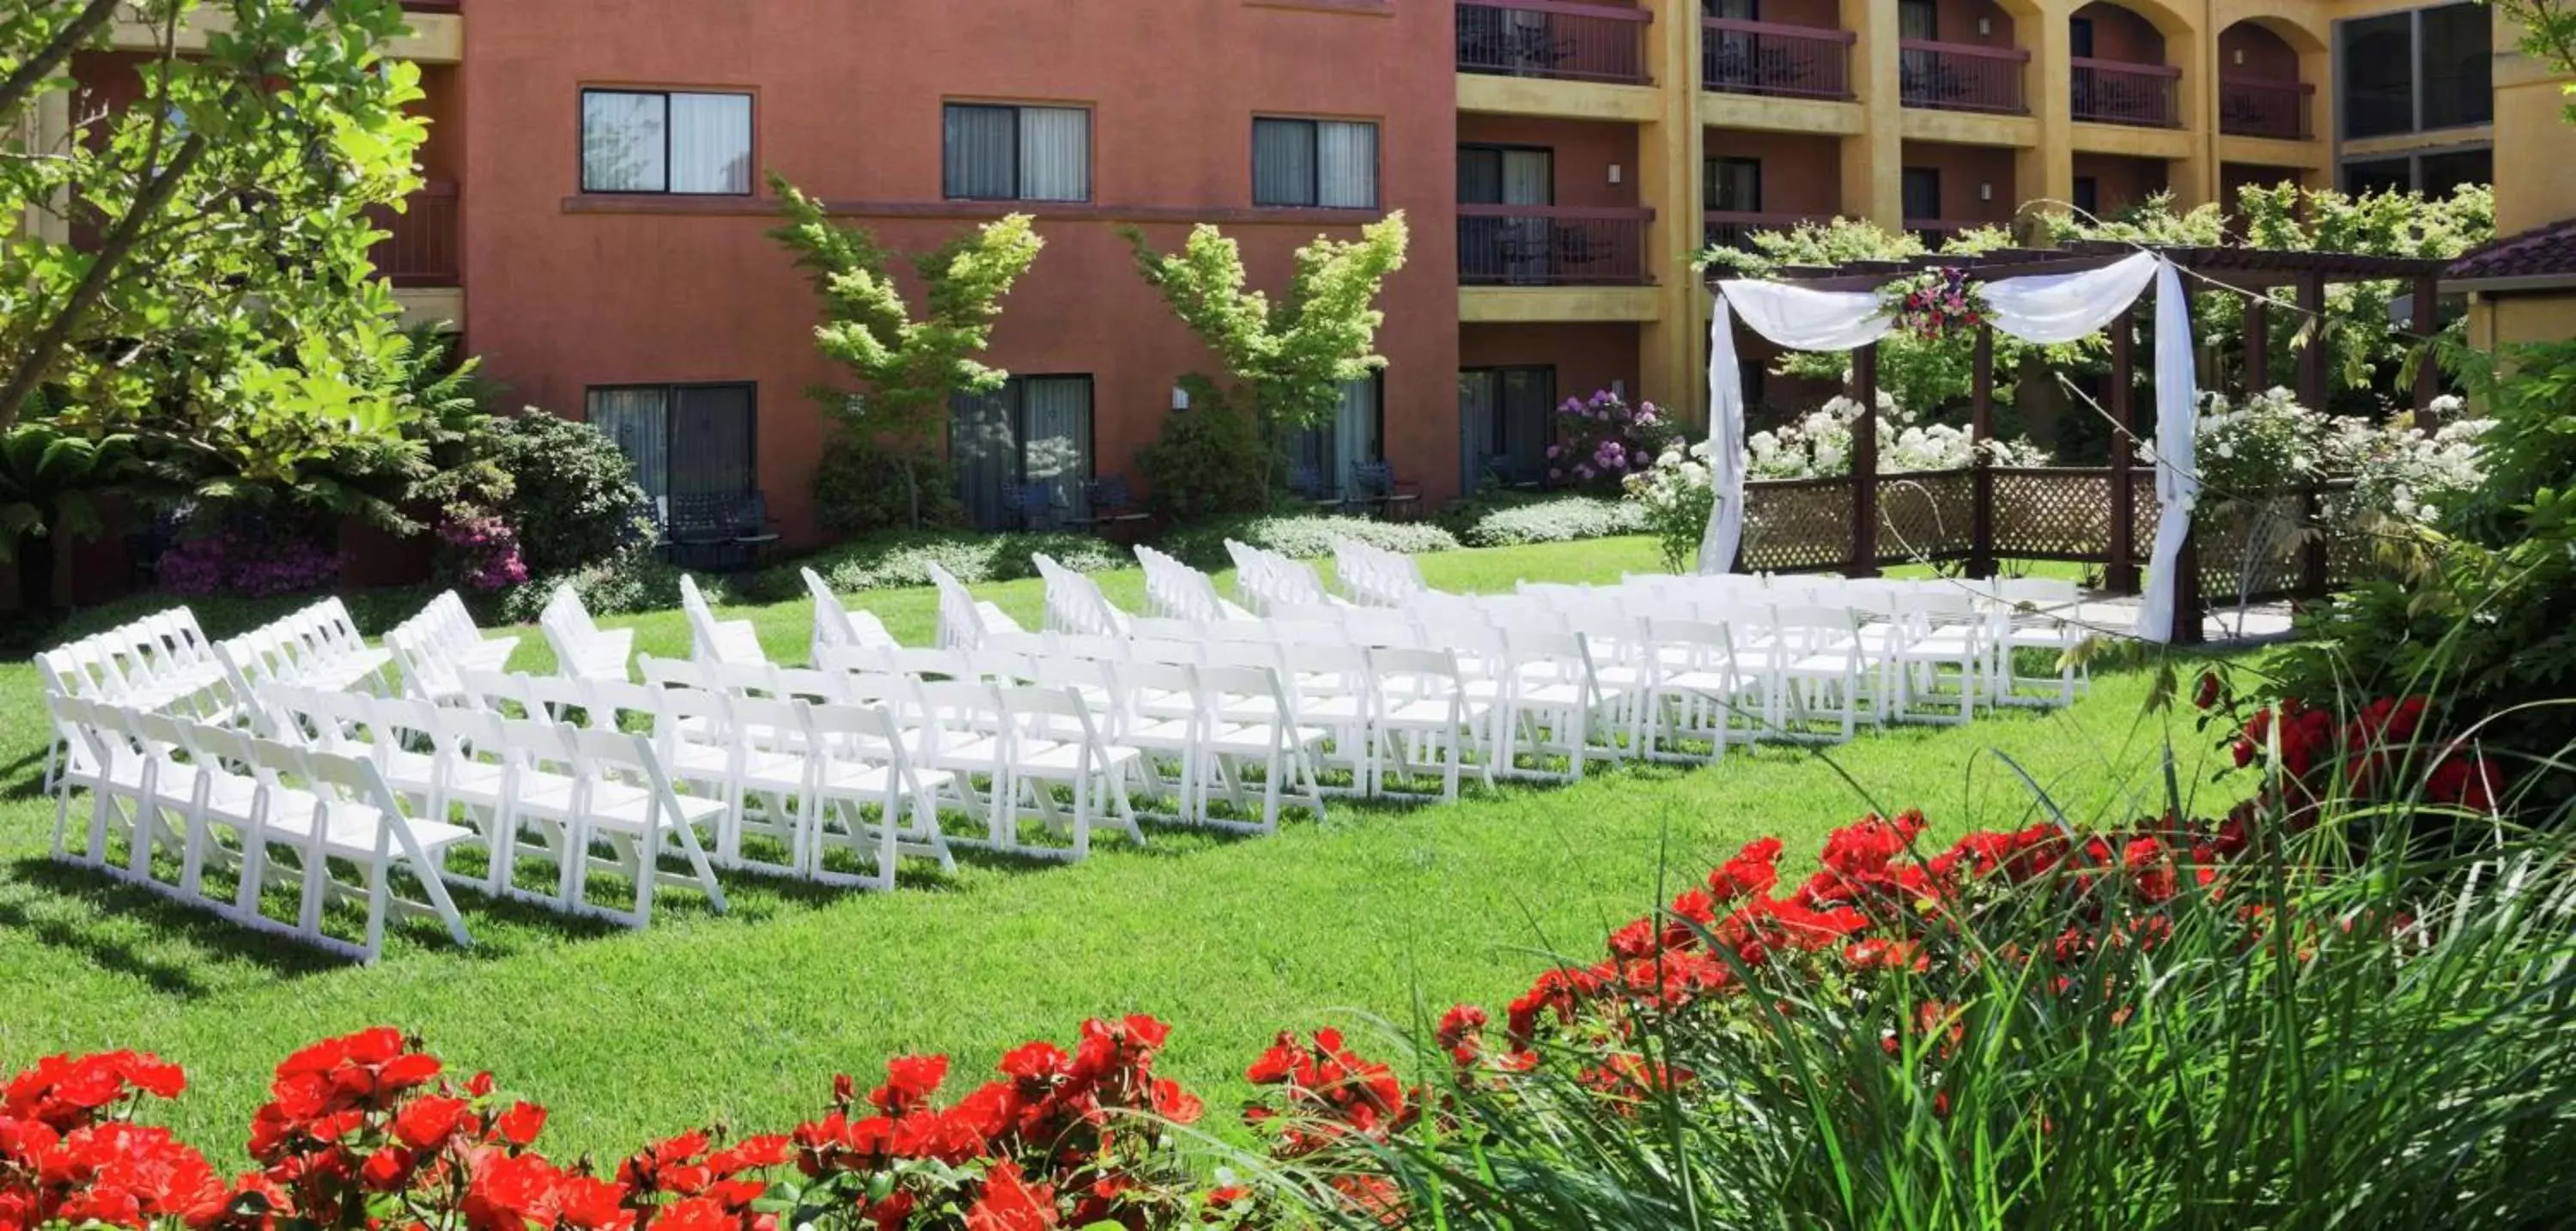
2250,554
1926,516
1796,526
2062,513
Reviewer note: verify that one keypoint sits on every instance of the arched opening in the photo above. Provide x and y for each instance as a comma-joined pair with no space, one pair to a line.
1961,55
2260,92
2120,74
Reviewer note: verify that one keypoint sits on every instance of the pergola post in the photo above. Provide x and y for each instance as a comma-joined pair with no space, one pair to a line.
2428,374
1981,466
2312,360
2258,342
1864,465
2120,572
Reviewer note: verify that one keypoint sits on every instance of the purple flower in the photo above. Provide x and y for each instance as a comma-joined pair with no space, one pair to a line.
1553,451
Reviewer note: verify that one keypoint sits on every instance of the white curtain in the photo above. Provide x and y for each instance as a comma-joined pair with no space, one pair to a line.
1346,165
1283,162
1355,429
639,421
1055,154
2048,308
1057,412
711,143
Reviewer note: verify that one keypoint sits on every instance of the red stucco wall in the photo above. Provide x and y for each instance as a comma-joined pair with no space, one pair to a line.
1799,174
569,292
1584,153
1963,168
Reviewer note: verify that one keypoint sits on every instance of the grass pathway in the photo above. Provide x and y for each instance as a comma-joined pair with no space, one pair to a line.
745,1017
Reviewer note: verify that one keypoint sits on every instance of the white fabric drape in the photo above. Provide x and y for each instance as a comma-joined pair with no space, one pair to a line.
2177,469
2045,308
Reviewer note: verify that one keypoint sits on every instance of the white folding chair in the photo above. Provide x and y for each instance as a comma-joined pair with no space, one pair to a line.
582,648
1423,706
859,759
344,812
717,641
835,624
1695,691
623,801
1246,716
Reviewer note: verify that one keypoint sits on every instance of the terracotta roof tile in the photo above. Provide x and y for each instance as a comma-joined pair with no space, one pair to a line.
2540,252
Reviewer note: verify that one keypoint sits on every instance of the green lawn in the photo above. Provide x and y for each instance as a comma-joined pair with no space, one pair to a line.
744,1018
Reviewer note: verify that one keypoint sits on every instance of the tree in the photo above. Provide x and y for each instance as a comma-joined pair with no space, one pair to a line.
201,277
908,368
2548,34
1294,354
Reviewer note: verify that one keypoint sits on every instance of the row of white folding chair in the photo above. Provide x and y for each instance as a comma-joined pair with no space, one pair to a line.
160,782
1015,739
434,647
160,662
714,640
835,624
1174,590
582,648
575,790
1402,705
793,759
964,621
1074,603
317,646
1373,576
1267,580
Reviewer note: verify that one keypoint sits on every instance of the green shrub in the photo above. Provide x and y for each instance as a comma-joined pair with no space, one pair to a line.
1210,459
898,560
1303,537
629,582
2481,617
573,496
859,488
1517,521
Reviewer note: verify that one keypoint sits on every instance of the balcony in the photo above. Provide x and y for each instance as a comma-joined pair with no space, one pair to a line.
1762,57
1553,38
1734,228
2114,92
1962,77
1552,245
2249,107
419,249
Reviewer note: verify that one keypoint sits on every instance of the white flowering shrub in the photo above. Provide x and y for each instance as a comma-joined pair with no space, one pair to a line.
1819,445
1676,494
2250,452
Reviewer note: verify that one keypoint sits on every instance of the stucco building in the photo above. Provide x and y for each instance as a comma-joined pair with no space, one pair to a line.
595,211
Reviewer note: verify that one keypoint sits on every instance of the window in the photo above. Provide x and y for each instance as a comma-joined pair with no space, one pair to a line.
2454,62
2437,174
1329,163
1921,190
1734,185
2079,37
1032,434
1505,424
1732,10
2088,196
2383,175
1356,435
682,440
1506,175
1917,19
1001,153
662,141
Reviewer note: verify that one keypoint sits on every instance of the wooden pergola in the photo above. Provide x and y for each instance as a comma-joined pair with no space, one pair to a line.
2205,270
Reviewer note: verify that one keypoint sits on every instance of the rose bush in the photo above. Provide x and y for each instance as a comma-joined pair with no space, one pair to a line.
1601,440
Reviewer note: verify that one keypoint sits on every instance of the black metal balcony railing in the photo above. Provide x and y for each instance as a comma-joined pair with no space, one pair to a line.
1553,38
419,248
1762,57
2117,92
1961,76
2250,107
1552,245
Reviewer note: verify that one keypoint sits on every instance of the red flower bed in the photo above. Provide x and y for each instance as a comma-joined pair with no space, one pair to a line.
370,1130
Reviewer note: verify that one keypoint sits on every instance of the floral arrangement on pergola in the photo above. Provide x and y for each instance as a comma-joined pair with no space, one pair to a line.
2041,296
